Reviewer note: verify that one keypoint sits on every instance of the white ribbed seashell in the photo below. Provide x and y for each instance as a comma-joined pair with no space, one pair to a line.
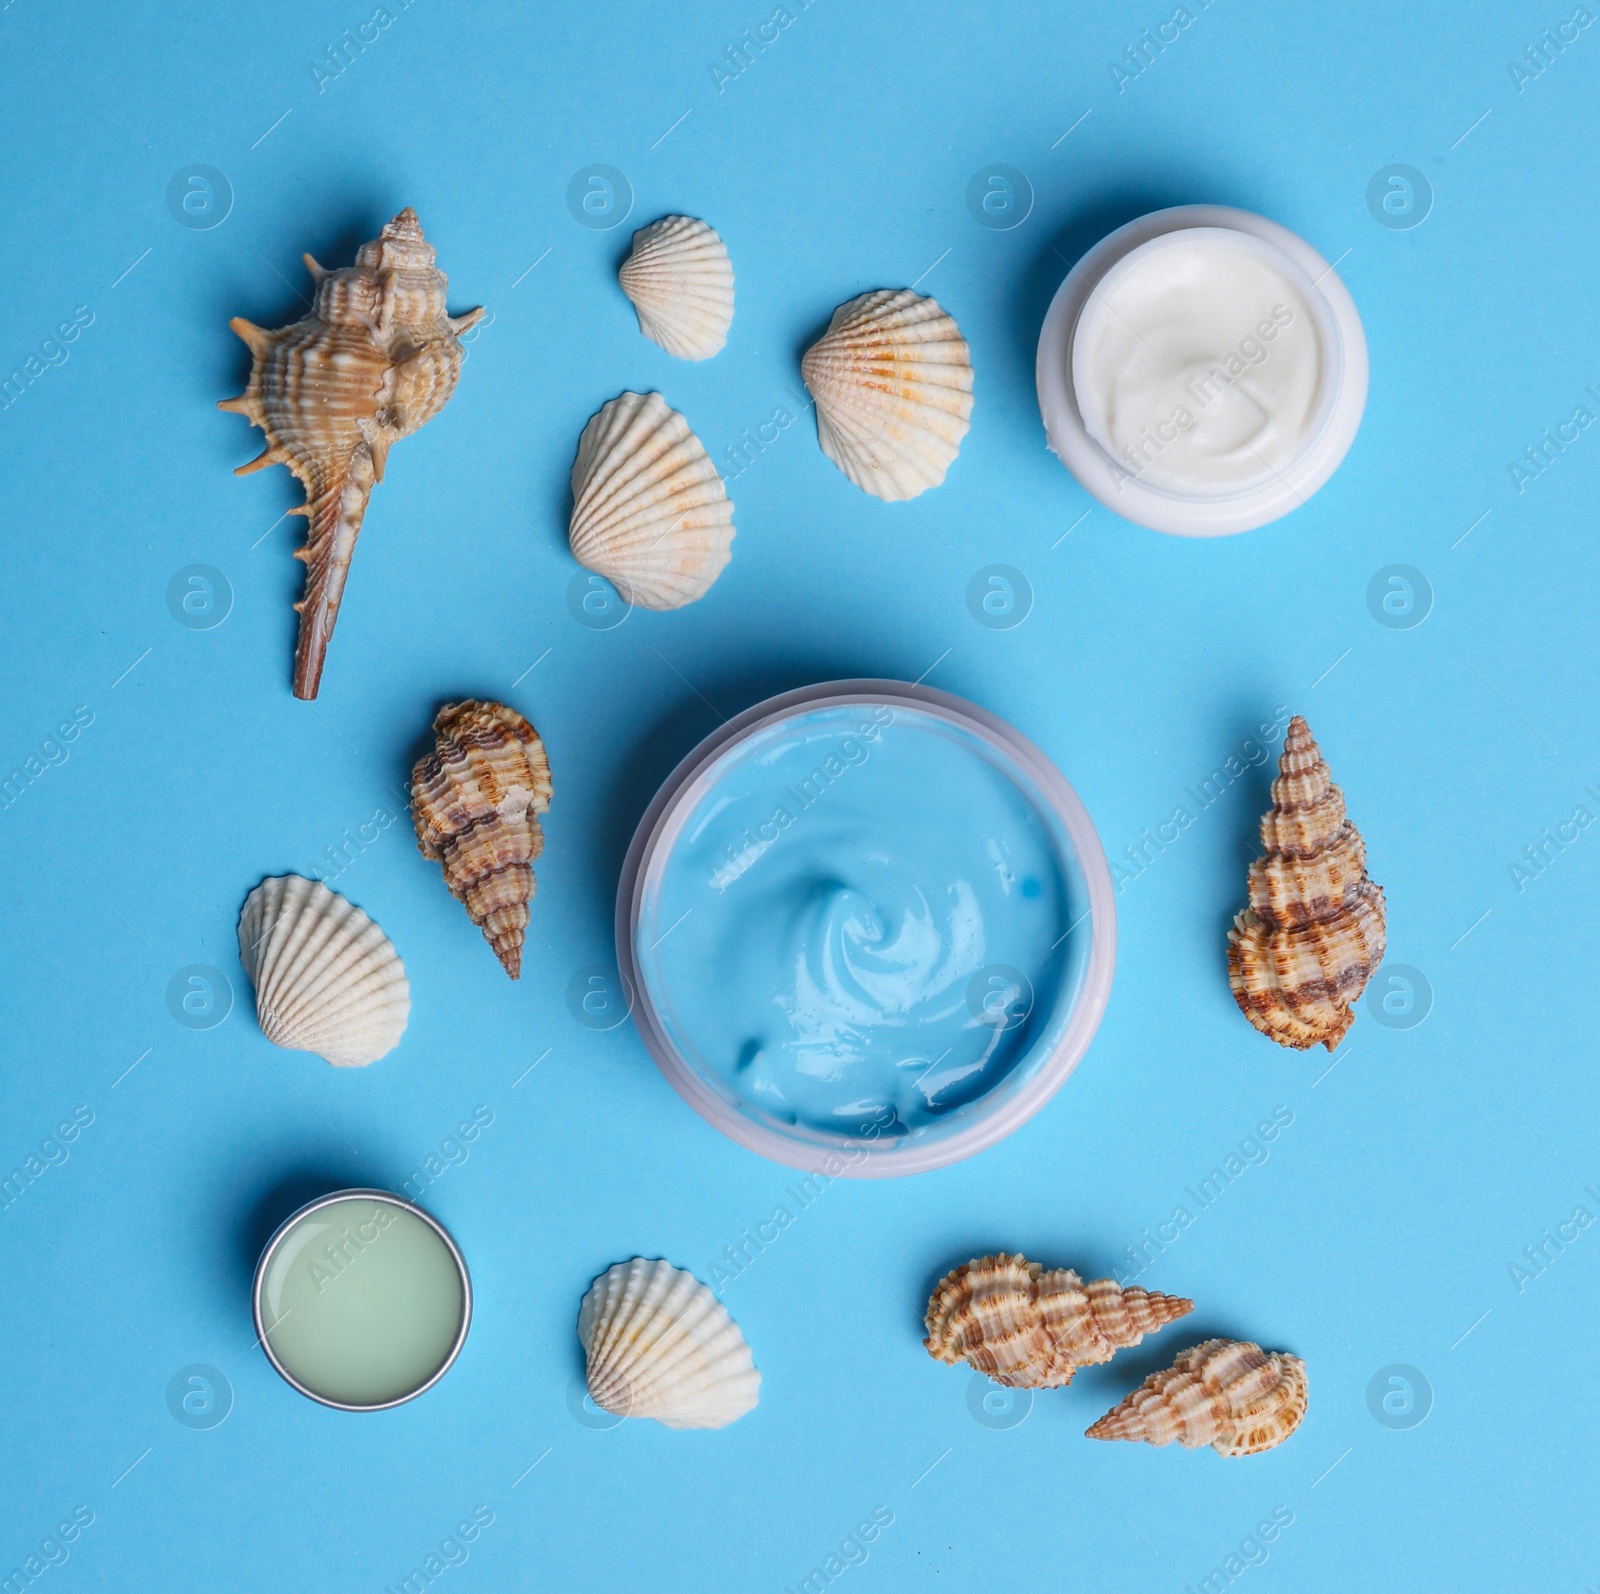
649,511
892,377
661,1345
327,979
681,283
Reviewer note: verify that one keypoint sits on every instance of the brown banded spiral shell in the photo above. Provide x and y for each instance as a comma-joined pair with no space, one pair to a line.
375,359
1226,1393
1033,1328
475,800
1301,954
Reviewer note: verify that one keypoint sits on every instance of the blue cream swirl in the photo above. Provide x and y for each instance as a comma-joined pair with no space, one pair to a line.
863,920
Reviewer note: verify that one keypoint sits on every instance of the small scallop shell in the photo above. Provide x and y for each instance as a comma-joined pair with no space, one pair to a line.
475,800
327,979
1301,954
661,1345
1032,1329
681,283
892,378
649,511
1226,1393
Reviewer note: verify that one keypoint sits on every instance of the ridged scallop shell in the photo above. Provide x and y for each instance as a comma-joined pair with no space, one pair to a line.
649,511
475,800
680,280
327,979
1226,1393
661,1345
1032,1329
1301,954
892,378
376,359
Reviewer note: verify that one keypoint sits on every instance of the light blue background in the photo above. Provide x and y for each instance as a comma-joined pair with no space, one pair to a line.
1381,1228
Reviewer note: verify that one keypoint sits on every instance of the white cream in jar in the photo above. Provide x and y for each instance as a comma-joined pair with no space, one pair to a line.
1198,363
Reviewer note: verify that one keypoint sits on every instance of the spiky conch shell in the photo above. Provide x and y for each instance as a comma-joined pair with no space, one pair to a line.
680,280
892,377
327,979
376,358
649,511
1033,1329
1301,954
475,800
660,1344
1226,1393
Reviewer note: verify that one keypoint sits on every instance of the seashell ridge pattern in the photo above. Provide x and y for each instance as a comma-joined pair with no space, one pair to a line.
476,799
892,380
1033,1329
660,1344
1301,954
649,511
1226,1393
327,979
680,280
377,357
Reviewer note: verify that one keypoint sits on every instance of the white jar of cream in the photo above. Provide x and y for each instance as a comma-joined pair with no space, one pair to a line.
1202,371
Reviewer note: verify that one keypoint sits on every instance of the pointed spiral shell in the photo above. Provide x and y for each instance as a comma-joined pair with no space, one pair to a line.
375,359
1032,1329
1301,954
475,800
1228,1394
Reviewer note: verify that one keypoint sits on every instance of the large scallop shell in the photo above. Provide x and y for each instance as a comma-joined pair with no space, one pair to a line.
475,800
1301,954
661,1345
1226,1393
892,378
649,511
681,283
1033,1329
327,979
376,359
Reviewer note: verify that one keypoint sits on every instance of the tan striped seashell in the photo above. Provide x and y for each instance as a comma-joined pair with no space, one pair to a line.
660,1344
475,800
1301,954
892,377
1226,1393
327,979
376,358
680,280
1033,1329
649,511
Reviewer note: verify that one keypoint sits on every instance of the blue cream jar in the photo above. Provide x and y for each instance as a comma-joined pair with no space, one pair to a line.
868,929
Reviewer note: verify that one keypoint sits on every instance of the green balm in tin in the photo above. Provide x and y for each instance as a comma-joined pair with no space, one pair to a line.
362,1300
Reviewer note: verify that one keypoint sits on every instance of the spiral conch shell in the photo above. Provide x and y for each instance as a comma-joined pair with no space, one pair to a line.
1226,1393
327,979
475,799
661,1345
649,511
1032,1329
1300,955
892,377
377,358
681,283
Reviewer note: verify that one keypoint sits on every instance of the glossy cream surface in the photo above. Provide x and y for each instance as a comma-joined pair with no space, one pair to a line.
863,922
362,1301
1198,364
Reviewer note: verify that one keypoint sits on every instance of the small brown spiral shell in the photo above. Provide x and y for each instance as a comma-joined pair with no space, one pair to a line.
475,800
